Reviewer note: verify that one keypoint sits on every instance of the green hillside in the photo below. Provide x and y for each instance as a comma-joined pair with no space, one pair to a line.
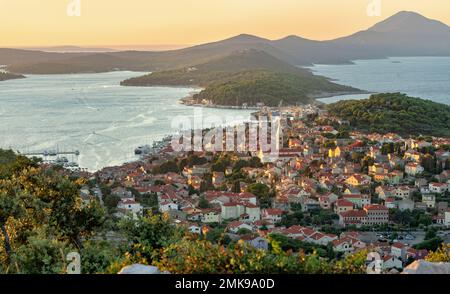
248,76
268,87
395,112
216,70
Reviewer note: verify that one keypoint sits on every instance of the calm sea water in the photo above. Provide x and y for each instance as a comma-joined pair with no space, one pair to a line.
424,77
92,113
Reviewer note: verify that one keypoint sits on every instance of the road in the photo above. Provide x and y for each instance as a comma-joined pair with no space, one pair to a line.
370,237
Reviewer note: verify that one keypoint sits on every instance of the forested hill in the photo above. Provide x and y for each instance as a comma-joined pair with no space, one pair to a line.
395,112
218,69
247,76
268,87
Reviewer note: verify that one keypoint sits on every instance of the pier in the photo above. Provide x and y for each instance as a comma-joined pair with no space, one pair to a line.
50,153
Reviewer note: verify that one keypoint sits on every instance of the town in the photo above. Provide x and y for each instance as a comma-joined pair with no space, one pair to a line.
329,189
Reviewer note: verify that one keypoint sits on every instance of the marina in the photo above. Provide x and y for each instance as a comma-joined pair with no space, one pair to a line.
56,157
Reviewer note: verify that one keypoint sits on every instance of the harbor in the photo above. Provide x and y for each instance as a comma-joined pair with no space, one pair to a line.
66,159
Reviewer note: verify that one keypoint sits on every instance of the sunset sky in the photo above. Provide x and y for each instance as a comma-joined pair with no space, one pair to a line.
144,22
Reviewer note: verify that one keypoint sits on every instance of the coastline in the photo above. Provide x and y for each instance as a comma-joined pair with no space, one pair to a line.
344,93
189,101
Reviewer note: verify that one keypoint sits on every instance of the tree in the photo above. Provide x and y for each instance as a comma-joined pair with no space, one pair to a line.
244,231
97,256
259,190
203,202
110,201
41,255
192,190
236,187
442,254
152,231
36,200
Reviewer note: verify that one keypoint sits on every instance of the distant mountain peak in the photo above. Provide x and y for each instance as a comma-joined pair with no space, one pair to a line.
246,38
292,38
410,22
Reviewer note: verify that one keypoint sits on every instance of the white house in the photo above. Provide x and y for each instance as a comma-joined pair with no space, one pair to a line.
398,250
390,262
343,245
413,169
403,192
167,206
322,239
235,226
130,207
230,210
429,200
247,210
438,187
447,218
272,214
253,212
195,229
211,216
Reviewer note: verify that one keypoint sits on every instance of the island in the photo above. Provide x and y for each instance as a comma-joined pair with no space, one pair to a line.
246,78
4,76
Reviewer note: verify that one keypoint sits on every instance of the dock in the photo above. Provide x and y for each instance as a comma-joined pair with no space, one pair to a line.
50,153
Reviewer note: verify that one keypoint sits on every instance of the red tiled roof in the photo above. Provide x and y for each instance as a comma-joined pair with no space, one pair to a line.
343,202
375,207
274,211
398,245
354,213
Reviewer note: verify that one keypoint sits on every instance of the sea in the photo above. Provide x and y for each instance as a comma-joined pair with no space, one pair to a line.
105,122
93,114
423,77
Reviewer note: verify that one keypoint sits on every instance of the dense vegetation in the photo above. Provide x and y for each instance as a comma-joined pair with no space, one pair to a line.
395,112
219,69
248,76
268,87
41,217
9,76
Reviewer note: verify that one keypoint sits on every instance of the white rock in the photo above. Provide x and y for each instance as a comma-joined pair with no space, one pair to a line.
139,269
422,267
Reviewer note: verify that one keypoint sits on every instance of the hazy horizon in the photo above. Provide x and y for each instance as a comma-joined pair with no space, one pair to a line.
138,24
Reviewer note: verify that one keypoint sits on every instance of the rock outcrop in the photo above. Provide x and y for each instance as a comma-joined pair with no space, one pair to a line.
422,267
140,269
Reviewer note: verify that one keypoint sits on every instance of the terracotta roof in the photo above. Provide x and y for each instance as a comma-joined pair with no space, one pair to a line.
375,207
398,245
274,211
354,213
343,202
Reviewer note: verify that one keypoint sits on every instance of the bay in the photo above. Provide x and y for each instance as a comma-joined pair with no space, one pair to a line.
93,114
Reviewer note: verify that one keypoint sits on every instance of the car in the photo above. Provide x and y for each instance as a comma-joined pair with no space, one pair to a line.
409,237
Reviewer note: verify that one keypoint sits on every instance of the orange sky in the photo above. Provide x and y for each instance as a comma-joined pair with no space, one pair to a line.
120,22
